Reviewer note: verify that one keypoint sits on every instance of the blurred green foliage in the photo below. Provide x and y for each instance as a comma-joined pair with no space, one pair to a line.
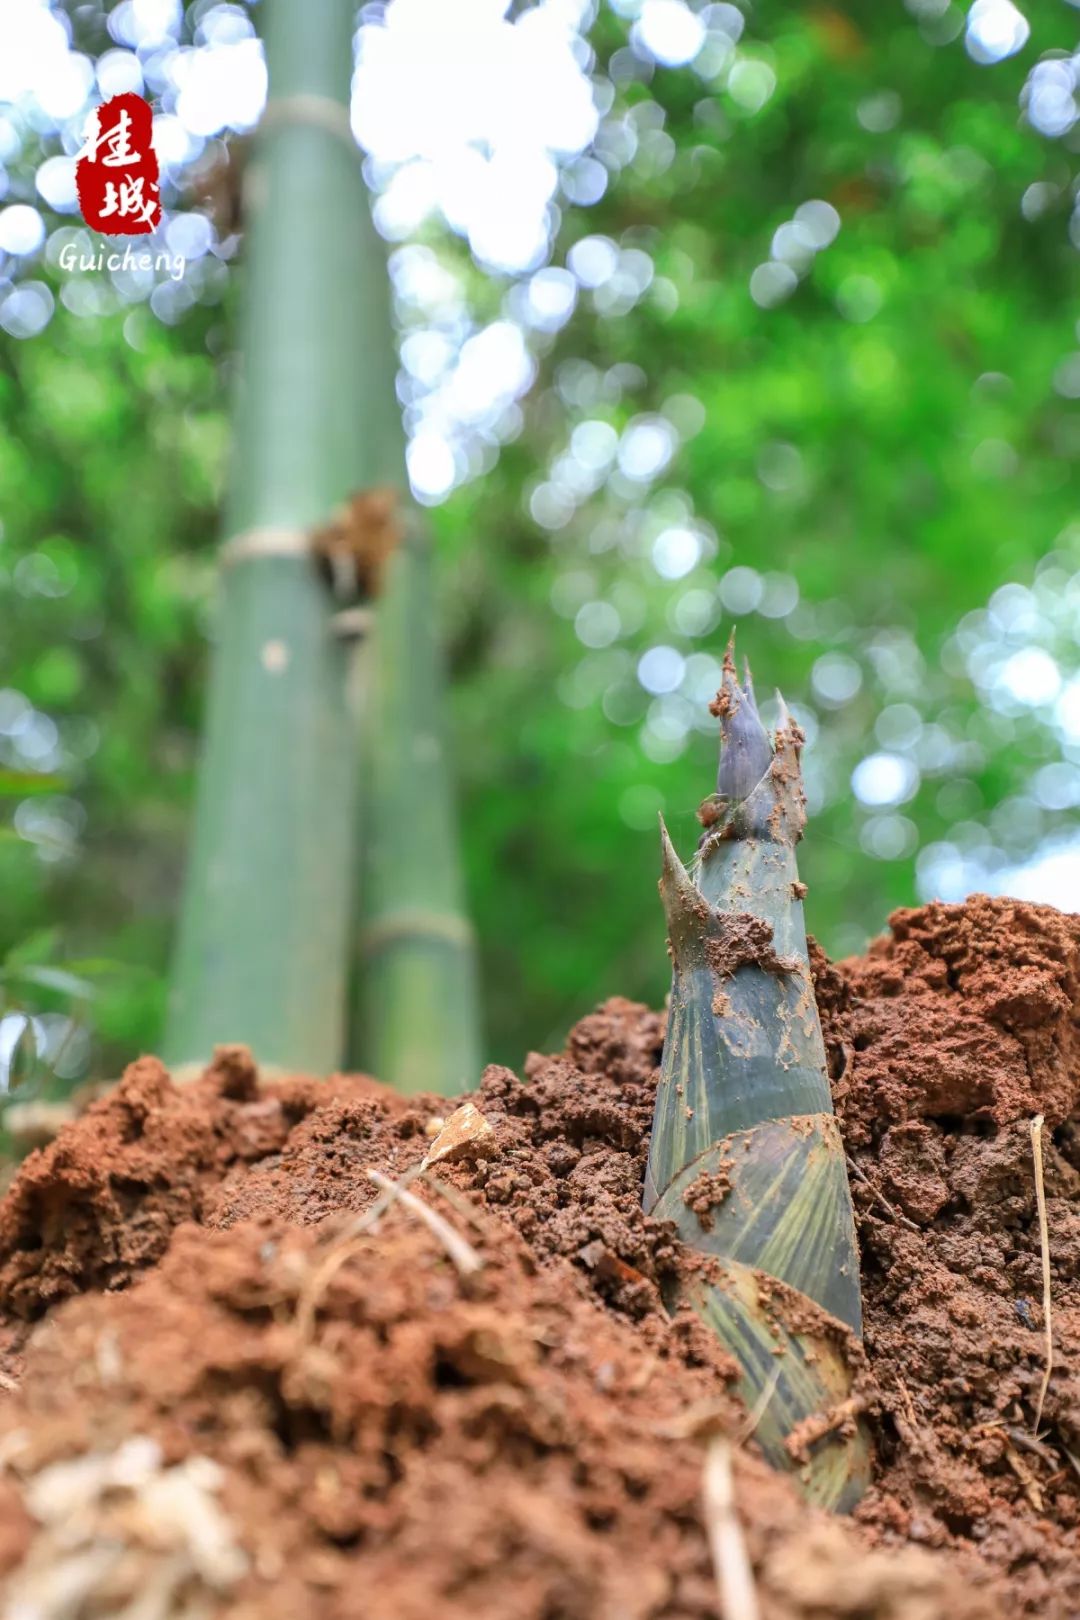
111,463
889,437
865,448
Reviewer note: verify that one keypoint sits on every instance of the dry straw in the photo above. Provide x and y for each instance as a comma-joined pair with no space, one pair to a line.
734,1576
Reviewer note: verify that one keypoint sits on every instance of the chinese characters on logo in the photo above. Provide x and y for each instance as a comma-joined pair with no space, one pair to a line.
116,171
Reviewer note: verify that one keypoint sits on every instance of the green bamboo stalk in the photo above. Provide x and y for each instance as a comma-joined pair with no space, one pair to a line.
262,952
415,1014
744,1119
415,1019
416,1023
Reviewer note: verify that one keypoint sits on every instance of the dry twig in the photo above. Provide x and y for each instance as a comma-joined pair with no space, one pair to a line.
909,1405
879,1196
734,1577
461,1252
1027,1479
351,1241
1028,1442
1044,1247
760,1406
346,1244
697,1422
463,1204
1074,1460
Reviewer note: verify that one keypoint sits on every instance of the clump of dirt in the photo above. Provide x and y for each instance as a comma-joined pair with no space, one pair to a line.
227,1321
947,1039
707,1192
742,938
101,1202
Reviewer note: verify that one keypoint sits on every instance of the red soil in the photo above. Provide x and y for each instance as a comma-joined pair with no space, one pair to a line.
228,1398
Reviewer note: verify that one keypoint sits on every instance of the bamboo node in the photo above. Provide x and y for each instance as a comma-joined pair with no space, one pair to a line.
305,107
251,544
352,548
415,923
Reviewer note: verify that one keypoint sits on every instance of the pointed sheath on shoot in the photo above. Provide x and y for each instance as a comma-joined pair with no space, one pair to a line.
744,1131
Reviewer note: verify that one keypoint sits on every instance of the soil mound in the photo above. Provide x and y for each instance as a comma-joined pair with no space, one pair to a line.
243,1378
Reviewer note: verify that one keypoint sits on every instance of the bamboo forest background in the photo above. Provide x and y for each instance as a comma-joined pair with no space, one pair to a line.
789,340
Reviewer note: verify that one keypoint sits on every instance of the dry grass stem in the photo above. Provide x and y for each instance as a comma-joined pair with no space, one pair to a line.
696,1422
1028,1442
461,1252
1074,1460
1044,1248
760,1406
879,1196
909,1405
734,1577
1027,1479
320,1280
464,1205
346,1244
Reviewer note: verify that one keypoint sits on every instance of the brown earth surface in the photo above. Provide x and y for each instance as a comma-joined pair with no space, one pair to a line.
229,1386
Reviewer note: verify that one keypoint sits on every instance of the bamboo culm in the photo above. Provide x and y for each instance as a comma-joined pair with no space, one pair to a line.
415,1019
262,954
269,915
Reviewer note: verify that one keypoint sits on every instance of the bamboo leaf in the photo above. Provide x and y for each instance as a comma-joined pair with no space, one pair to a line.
29,784
50,978
37,948
103,967
22,1063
